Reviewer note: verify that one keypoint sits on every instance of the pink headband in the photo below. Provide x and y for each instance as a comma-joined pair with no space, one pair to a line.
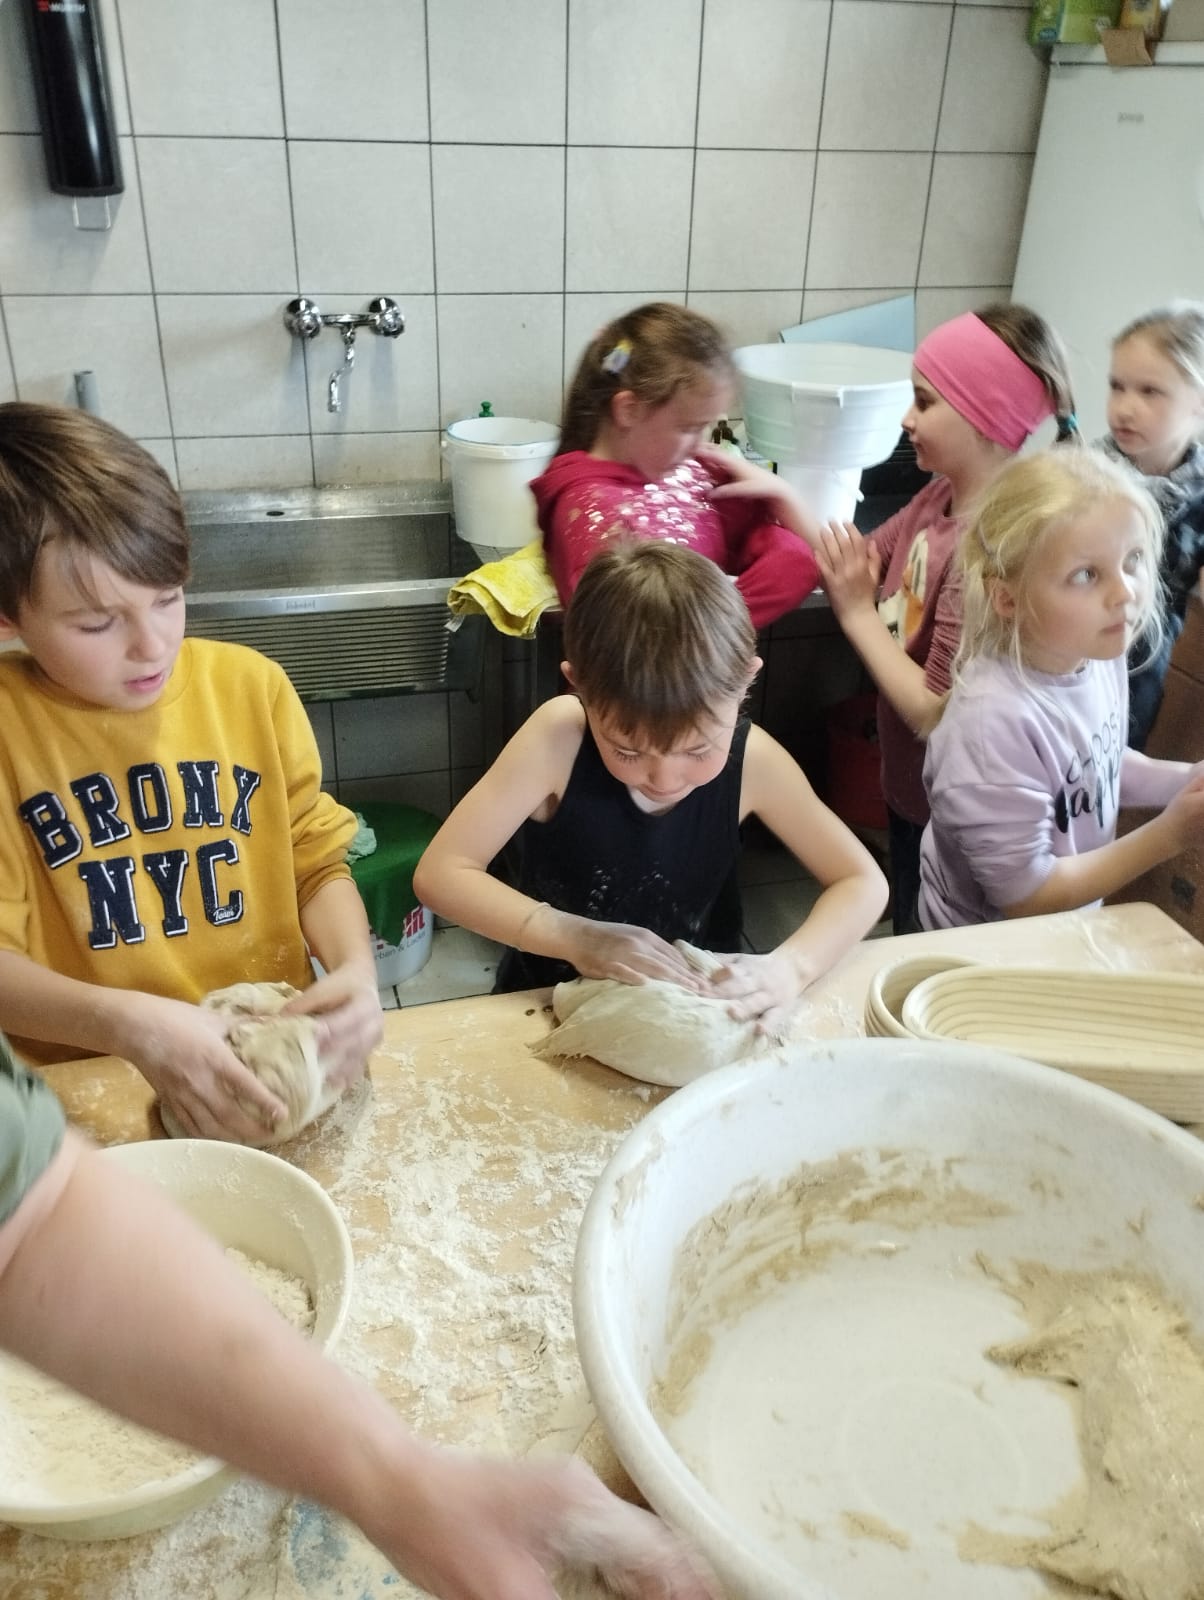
984,379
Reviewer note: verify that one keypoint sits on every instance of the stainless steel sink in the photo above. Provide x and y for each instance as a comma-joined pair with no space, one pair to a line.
346,588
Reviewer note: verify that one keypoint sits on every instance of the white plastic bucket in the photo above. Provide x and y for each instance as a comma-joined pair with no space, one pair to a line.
492,461
822,412
824,405
397,962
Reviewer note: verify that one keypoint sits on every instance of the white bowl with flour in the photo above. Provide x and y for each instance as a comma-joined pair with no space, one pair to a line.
70,1470
789,1278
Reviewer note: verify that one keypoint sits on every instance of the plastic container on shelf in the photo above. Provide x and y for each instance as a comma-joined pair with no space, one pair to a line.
822,412
492,460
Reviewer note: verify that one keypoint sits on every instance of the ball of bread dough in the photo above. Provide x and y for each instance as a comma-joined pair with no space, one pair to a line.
657,1032
282,1052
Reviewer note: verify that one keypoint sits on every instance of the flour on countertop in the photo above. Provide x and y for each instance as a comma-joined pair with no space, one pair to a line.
469,1257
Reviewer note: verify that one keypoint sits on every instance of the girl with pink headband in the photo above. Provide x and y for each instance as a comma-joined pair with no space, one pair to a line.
982,384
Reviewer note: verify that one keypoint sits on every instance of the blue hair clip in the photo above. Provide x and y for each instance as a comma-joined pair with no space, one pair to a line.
618,357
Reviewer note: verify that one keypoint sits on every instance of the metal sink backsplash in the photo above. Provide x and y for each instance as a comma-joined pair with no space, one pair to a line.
345,588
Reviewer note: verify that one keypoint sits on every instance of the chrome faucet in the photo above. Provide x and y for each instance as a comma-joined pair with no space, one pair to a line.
334,400
304,320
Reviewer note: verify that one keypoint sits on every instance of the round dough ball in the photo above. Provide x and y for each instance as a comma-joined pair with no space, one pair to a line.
282,1052
656,1032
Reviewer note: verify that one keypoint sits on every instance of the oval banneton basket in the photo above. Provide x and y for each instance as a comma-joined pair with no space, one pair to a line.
1136,1033
890,986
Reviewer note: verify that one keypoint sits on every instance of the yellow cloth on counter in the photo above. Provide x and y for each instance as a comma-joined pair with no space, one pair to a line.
513,593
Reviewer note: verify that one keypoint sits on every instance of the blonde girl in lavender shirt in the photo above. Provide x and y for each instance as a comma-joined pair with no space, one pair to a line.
1030,761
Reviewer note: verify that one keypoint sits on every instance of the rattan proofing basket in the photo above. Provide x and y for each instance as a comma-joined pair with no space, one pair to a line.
890,986
1140,1034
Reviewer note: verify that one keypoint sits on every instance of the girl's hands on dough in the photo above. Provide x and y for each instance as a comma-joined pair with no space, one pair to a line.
181,1051
765,987
345,1004
476,1529
625,952
850,568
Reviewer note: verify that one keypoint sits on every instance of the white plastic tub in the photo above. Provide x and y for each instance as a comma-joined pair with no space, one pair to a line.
877,1400
492,461
822,412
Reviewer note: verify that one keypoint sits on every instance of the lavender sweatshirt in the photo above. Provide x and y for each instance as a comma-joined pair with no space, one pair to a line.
1021,770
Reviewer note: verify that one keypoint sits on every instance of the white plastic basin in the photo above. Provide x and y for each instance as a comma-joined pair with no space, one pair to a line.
871,1390
824,405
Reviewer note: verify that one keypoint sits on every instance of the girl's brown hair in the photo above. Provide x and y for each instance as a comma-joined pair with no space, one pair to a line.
654,351
68,477
656,637
1030,337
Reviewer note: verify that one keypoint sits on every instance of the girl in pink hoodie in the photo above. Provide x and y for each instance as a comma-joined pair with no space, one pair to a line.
633,464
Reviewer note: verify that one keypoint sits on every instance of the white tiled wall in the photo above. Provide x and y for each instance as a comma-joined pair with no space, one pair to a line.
512,174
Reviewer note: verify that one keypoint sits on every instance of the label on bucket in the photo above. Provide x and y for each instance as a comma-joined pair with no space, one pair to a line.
397,962
414,928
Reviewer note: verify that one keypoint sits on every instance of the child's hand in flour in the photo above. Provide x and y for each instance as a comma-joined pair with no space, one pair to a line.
345,1004
622,951
473,1529
765,987
181,1050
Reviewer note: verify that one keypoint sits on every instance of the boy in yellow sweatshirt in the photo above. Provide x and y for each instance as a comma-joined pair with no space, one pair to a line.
163,831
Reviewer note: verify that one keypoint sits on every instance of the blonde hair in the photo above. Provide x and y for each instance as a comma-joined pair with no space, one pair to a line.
654,351
1177,330
656,636
1030,499
69,478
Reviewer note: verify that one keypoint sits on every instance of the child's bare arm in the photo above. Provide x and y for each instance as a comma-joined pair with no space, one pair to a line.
849,568
1078,880
121,1296
854,892
179,1049
346,1002
453,877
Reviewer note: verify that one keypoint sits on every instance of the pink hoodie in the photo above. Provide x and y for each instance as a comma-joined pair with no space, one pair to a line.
583,502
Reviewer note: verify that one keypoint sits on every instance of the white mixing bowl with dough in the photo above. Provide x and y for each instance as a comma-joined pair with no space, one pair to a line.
783,1296
249,1201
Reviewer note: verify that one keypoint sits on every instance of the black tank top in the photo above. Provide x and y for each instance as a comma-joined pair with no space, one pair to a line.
600,856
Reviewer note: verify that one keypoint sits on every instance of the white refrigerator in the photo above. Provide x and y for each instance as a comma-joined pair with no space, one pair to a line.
1115,218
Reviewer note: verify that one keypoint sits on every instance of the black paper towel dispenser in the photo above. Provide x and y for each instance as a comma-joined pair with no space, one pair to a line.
66,47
